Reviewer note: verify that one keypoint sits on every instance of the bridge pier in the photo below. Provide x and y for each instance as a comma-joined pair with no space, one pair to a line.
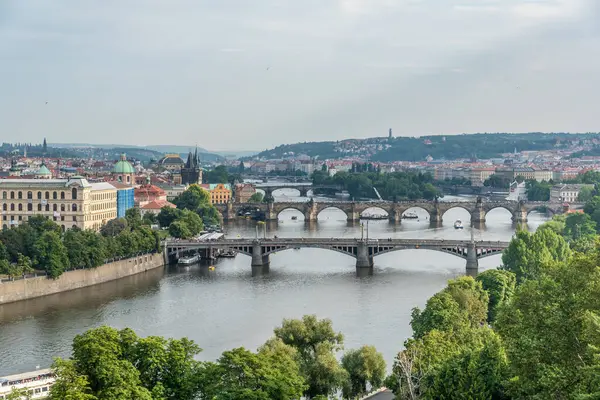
520,216
352,216
395,216
270,214
258,258
478,216
303,192
472,267
364,260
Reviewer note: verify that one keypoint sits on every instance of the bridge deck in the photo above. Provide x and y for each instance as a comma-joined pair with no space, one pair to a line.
333,241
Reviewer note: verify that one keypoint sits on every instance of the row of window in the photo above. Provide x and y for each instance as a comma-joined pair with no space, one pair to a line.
46,195
103,196
103,206
73,207
102,216
20,218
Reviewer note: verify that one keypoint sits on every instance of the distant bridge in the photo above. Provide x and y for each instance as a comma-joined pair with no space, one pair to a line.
303,187
363,250
353,210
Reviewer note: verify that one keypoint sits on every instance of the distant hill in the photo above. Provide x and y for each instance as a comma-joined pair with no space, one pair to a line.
159,150
480,145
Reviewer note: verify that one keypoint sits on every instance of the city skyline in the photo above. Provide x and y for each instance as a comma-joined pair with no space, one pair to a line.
233,76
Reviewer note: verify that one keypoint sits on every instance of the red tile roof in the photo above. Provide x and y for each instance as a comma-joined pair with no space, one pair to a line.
157,205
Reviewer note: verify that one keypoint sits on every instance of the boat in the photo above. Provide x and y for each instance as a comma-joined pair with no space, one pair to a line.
458,224
373,216
189,260
410,215
228,254
294,218
211,268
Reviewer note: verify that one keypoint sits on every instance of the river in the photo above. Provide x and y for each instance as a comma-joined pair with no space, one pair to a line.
228,308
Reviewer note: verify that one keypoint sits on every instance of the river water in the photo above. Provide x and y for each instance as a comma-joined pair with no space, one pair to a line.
228,308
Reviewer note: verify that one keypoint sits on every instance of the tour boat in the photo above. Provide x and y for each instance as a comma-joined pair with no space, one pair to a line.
373,216
189,260
458,224
229,254
410,215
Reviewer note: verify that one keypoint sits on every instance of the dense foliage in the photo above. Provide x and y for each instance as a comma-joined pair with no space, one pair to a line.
483,145
530,330
194,211
40,244
299,360
391,186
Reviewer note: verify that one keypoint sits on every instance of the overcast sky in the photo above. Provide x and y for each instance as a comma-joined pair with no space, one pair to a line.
251,74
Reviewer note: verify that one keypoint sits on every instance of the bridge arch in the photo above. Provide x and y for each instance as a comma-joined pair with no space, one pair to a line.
500,209
292,208
337,209
455,207
374,210
421,212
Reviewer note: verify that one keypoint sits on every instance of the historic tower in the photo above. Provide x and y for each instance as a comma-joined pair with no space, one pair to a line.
191,172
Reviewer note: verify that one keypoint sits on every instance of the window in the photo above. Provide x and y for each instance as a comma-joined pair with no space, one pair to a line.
39,207
12,207
30,195
4,217
4,195
4,207
20,195
29,207
39,195
47,207
54,207
20,207
20,218
62,195
54,195
62,217
62,207
47,196
74,194
74,218
74,207
12,195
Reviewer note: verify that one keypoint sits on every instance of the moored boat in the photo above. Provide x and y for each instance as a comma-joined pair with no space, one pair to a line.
189,260
410,215
458,224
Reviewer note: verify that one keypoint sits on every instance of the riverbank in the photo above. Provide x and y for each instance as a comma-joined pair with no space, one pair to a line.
29,288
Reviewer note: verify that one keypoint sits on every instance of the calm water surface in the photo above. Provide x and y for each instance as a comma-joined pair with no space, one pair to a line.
229,308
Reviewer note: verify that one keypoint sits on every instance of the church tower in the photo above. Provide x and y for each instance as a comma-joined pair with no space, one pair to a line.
191,172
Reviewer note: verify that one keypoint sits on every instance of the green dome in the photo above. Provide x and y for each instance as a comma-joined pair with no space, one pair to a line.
43,171
123,166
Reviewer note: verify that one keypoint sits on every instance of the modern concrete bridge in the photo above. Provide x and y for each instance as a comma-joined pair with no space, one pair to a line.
363,250
436,209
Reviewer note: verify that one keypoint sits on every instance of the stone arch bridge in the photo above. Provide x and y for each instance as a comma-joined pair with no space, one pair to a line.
363,250
303,188
353,210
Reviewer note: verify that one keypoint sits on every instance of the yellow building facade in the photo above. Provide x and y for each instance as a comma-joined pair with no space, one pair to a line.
68,202
220,193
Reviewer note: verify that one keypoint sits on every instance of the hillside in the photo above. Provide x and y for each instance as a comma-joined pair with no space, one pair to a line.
480,145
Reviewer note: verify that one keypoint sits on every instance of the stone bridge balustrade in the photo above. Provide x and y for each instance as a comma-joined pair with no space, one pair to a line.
353,210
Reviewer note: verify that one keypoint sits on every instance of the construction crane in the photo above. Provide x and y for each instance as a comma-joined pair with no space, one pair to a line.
377,193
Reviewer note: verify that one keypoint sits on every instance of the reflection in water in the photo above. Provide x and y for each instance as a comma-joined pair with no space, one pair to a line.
235,305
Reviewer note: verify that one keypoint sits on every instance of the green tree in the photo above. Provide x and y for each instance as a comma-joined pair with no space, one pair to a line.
192,198
193,221
180,229
476,372
496,181
592,208
51,254
527,254
462,304
149,219
242,375
218,175
585,193
167,215
500,286
256,198
579,226
69,384
99,355
545,329
316,343
114,227
134,218
538,191
365,366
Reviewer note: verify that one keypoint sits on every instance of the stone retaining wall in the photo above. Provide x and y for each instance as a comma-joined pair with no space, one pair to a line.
30,288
